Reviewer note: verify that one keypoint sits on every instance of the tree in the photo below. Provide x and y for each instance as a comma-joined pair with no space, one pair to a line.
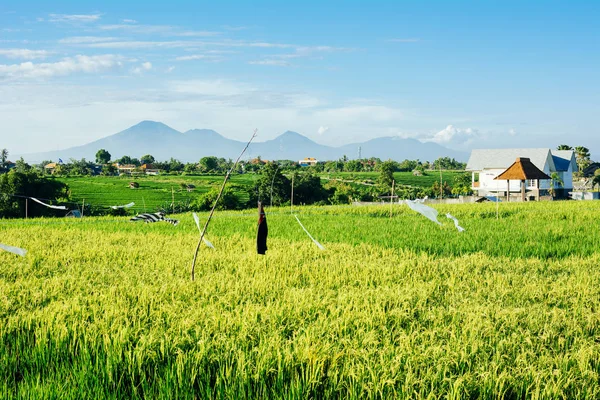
386,176
582,154
102,157
555,183
272,187
147,159
228,201
308,189
28,184
3,157
22,166
564,147
462,185
175,165
209,164
596,181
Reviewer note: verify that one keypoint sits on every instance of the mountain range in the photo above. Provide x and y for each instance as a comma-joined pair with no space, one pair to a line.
164,142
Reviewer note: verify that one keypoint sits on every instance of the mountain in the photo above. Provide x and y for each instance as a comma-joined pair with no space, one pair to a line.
164,142
399,149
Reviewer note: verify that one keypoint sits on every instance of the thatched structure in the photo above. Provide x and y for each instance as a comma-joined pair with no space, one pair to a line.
522,170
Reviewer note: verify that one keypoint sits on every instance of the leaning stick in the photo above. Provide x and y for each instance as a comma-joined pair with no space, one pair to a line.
212,211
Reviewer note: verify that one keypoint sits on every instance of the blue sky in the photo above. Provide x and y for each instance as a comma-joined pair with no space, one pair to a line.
465,74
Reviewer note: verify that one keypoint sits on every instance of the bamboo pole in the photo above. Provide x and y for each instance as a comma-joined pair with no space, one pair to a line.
212,211
26,207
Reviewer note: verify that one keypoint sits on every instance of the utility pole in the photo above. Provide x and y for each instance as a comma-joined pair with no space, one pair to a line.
26,206
173,199
359,152
292,199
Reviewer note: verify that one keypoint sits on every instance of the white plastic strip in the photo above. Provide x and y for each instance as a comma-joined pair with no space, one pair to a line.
460,228
319,245
14,250
428,212
125,206
48,205
204,239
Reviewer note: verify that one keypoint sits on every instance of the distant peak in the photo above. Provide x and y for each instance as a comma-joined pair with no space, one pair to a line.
147,123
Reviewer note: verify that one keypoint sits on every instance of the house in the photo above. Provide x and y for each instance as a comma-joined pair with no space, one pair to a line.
486,164
9,165
125,168
49,168
307,162
149,169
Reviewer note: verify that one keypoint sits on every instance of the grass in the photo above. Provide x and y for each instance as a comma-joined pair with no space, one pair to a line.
400,307
402,178
154,192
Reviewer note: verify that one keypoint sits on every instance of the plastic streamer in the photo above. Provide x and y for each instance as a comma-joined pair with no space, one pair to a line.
15,250
426,211
125,206
319,245
154,217
205,240
48,205
460,228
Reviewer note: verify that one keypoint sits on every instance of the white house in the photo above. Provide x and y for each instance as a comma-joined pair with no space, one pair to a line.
487,164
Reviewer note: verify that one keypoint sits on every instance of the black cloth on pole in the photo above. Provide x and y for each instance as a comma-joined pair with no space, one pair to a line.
263,230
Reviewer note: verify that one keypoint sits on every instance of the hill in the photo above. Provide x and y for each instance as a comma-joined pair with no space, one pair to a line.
164,142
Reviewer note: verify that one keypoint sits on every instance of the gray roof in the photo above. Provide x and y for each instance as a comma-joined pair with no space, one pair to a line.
481,159
562,159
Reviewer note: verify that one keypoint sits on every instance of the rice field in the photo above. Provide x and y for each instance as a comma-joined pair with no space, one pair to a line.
393,308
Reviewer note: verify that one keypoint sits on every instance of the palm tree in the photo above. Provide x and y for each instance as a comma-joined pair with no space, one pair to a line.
3,157
555,183
582,154
564,147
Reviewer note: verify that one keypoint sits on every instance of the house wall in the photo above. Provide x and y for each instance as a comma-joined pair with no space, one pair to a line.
488,184
567,178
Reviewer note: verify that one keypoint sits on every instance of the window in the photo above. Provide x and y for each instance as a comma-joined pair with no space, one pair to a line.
531,183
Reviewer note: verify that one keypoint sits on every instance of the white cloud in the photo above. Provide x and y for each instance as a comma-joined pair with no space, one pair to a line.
86,39
451,134
170,69
512,132
74,18
278,63
322,130
145,66
129,21
156,29
25,54
194,57
67,66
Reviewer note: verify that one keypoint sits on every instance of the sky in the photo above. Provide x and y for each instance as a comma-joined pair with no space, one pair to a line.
464,74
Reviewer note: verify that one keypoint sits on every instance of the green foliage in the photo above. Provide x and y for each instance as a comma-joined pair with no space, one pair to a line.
448,163
564,147
272,187
229,200
308,189
102,156
28,184
209,164
147,159
386,176
462,185
582,155
125,160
